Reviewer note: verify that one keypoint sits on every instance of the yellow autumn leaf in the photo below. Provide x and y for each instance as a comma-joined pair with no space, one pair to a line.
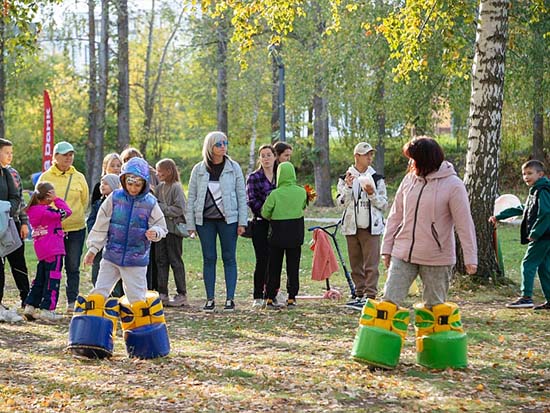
480,387
501,339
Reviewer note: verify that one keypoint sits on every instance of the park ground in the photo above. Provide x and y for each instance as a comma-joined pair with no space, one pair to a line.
293,360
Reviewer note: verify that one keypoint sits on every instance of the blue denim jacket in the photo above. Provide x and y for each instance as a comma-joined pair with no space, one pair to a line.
233,194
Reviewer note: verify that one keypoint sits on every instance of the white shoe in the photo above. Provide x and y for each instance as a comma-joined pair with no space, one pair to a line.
29,313
258,304
281,297
9,316
50,316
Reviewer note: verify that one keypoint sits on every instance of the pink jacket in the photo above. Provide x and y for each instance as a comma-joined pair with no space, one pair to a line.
324,261
424,214
47,233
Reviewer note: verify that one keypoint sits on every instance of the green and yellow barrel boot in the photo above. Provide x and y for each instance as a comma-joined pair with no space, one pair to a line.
144,327
381,333
93,326
440,339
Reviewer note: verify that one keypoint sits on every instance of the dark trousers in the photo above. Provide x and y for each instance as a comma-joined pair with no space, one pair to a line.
18,269
74,242
152,270
293,256
44,292
261,250
168,255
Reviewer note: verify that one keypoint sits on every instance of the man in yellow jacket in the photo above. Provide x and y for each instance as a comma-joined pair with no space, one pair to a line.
70,185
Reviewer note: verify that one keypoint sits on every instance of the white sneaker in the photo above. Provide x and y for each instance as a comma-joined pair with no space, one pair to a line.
258,304
29,313
50,316
9,316
281,297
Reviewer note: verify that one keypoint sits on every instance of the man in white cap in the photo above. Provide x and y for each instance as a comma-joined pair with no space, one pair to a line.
70,185
362,192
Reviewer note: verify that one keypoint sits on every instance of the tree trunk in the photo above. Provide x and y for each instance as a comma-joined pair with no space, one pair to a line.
123,100
92,94
275,127
481,175
381,120
252,152
221,85
321,166
2,79
538,49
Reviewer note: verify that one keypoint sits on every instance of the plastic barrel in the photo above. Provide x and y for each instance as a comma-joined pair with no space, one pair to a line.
147,342
91,336
447,349
377,346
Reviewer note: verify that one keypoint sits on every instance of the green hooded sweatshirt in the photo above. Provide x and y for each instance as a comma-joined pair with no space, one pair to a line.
288,200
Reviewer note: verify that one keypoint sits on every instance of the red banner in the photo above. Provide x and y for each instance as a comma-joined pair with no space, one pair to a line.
47,140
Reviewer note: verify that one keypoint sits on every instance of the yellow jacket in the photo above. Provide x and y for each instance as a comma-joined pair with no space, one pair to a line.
77,196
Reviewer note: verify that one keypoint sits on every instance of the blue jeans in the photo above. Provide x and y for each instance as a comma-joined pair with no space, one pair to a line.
208,233
74,242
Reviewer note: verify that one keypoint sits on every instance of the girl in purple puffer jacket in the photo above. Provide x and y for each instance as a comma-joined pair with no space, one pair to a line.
49,246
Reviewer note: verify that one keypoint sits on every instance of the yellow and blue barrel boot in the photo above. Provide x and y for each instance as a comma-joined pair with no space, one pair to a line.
144,326
93,326
381,333
440,338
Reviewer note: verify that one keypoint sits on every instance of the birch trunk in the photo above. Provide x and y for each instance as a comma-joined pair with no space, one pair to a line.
484,138
123,99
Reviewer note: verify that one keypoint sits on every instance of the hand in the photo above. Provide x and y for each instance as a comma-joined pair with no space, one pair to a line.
349,179
24,233
369,189
471,269
386,258
51,195
493,220
192,233
240,230
151,234
89,258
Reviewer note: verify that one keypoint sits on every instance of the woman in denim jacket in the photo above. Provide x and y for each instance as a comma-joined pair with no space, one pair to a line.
217,207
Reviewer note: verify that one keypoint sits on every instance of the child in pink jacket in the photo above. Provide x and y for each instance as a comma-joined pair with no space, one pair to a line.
49,246
430,204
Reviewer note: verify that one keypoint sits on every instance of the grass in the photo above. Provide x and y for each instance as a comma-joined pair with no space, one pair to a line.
290,360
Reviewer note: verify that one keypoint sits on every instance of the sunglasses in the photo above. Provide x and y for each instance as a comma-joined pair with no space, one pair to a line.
221,143
131,180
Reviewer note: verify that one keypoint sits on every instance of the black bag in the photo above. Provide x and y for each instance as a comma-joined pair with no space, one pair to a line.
249,229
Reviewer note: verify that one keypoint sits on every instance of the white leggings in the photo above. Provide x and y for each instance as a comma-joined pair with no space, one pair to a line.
134,280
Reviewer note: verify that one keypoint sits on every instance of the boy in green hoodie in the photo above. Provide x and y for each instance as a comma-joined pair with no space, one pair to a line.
284,208
535,231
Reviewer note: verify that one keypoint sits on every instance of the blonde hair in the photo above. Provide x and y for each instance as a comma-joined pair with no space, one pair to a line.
130,153
110,157
170,166
209,141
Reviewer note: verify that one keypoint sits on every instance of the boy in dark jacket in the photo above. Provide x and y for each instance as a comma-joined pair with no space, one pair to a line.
284,207
535,231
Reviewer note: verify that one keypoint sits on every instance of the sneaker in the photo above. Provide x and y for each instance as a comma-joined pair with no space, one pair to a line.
258,304
522,302
281,297
70,308
29,313
50,316
9,316
209,307
180,300
291,303
356,304
165,299
545,306
273,304
229,306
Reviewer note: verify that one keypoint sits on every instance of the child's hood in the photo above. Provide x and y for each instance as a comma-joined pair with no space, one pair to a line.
138,167
542,182
286,175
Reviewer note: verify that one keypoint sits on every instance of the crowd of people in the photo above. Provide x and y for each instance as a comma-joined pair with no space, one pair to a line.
134,224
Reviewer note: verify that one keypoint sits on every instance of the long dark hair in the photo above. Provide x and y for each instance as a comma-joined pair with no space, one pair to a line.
40,193
425,153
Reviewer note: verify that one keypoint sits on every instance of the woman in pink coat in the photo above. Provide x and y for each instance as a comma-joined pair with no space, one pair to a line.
430,204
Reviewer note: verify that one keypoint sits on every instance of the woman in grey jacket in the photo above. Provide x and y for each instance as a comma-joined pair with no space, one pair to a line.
217,207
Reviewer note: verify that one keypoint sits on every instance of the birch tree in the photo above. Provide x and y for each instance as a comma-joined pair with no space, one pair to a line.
484,135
